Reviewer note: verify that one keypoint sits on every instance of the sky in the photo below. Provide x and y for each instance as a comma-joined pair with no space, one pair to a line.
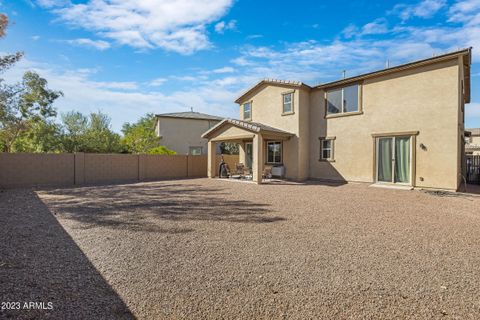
127,58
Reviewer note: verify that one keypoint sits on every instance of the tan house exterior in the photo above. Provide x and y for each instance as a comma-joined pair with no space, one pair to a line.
380,128
182,131
472,141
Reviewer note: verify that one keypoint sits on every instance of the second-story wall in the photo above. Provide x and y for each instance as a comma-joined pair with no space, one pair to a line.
424,99
267,107
179,134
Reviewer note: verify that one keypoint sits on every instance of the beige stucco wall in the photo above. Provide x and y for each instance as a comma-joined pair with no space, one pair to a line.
231,133
267,107
180,134
424,100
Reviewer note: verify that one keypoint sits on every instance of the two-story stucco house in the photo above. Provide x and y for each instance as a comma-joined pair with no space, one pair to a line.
182,131
383,127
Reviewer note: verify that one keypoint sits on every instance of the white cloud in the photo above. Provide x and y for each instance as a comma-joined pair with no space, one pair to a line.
465,12
378,26
224,70
223,26
254,36
157,82
350,31
97,44
189,78
178,26
125,85
52,3
35,38
241,61
423,9
125,101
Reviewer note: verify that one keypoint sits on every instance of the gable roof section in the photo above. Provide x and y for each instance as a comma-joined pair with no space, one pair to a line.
274,82
254,127
467,52
189,115
411,65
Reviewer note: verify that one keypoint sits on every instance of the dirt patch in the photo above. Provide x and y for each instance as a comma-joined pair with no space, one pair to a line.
214,249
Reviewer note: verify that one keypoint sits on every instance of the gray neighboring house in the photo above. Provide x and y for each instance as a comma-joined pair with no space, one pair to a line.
472,138
182,131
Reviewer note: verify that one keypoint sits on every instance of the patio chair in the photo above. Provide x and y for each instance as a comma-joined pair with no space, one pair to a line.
267,173
239,169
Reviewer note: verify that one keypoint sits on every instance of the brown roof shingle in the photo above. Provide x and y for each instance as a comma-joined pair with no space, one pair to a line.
190,115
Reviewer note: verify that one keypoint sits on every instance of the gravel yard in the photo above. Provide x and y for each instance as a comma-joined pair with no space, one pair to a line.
201,248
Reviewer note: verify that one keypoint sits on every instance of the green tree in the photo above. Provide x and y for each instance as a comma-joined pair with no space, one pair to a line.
41,136
8,60
89,133
5,62
229,148
74,125
161,150
99,136
140,137
22,105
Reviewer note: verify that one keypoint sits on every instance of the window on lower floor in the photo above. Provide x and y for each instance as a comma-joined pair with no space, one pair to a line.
274,152
195,151
326,149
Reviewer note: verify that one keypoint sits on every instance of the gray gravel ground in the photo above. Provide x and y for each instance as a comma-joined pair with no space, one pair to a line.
202,248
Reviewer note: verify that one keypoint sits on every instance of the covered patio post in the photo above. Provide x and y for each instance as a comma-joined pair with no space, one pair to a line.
257,166
212,154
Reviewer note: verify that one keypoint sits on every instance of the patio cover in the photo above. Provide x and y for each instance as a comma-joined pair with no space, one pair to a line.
238,131
243,130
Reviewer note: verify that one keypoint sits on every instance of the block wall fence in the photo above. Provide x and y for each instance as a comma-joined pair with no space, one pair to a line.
69,169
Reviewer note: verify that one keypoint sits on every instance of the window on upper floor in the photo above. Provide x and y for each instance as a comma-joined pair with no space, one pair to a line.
195,151
247,111
287,103
343,100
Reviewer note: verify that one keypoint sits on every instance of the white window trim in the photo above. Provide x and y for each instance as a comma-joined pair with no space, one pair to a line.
195,147
412,150
292,108
332,149
243,110
281,152
343,112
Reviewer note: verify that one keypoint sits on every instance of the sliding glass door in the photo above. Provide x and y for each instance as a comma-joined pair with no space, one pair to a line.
394,160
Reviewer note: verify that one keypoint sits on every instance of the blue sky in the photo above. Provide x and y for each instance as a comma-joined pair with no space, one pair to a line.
130,57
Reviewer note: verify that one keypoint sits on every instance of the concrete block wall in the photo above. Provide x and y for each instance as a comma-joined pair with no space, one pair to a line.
37,169
26,169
